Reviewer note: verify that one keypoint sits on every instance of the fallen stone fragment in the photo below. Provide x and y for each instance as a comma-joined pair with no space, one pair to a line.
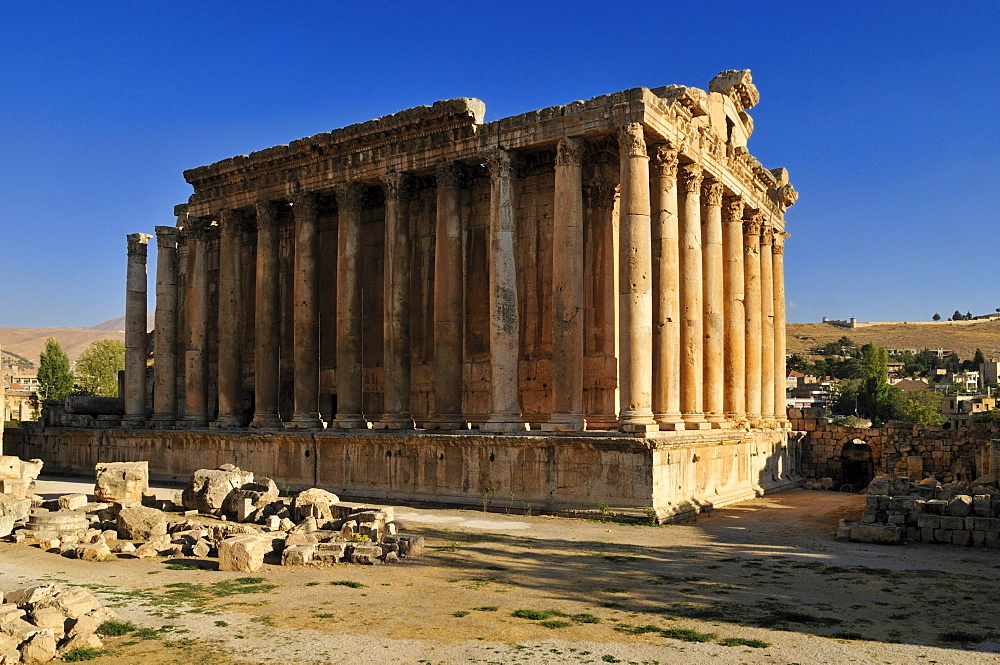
39,648
93,552
141,523
315,503
960,506
6,525
242,553
72,501
201,549
121,480
366,554
208,488
298,555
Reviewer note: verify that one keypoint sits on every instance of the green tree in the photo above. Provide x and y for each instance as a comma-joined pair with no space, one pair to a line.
54,375
876,398
98,367
978,359
922,407
936,317
957,316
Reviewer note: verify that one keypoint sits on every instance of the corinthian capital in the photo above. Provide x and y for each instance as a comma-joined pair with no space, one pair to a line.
570,152
197,228
779,242
690,177
711,192
137,243
600,193
752,221
305,206
767,235
349,195
166,236
631,141
732,209
229,221
396,186
663,161
499,164
267,214
449,175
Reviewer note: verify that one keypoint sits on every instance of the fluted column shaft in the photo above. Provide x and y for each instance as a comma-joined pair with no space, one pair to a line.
778,276
196,356
567,290
349,361
766,326
713,293
505,408
691,287
305,316
267,327
447,412
751,274
230,316
396,301
666,289
136,349
635,284
165,328
734,396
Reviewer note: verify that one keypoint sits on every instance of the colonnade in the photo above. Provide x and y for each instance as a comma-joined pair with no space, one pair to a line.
700,307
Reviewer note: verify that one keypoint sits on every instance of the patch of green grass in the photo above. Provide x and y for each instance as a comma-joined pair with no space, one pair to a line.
687,635
608,658
116,628
961,636
221,624
83,653
845,635
460,613
556,623
325,615
585,618
486,608
637,630
349,583
199,594
744,642
312,583
183,566
146,634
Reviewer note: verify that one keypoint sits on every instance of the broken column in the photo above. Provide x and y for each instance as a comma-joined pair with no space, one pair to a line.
135,331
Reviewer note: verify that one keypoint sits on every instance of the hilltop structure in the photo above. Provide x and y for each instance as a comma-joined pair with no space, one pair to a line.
608,272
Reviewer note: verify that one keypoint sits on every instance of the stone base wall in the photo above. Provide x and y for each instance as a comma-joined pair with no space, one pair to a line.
897,449
674,474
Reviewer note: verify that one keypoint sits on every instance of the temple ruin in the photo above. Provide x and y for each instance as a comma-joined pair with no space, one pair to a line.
602,283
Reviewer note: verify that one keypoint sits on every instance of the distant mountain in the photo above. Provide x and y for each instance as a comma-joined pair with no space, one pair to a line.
118,325
29,342
961,337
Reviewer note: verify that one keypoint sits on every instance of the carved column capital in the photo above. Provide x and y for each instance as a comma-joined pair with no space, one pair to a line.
711,192
396,186
305,205
690,176
230,221
500,164
569,151
600,193
267,214
732,209
166,236
778,247
631,141
350,195
197,228
663,161
767,235
752,221
449,175
137,243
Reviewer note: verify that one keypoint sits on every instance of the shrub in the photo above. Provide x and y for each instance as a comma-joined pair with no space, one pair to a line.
115,628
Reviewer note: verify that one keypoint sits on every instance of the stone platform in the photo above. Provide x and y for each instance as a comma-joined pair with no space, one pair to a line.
675,473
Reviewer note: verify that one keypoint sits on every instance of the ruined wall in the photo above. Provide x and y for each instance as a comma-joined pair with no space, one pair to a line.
897,449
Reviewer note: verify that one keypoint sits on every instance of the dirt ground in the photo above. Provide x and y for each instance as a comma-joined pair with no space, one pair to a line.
963,339
766,570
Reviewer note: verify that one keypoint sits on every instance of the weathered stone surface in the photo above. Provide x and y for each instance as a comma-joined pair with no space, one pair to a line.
15,468
208,488
243,553
6,525
39,648
18,508
93,552
409,546
121,480
314,503
81,641
72,501
960,506
202,548
243,502
367,554
298,555
139,523
888,534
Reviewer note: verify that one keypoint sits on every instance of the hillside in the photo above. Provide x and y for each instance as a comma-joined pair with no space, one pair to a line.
29,342
118,325
962,337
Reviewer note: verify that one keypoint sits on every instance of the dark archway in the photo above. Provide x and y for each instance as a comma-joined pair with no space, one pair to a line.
856,464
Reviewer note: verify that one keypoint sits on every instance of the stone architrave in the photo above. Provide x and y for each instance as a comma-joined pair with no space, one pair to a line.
165,329
396,302
778,278
767,377
505,413
734,393
567,290
266,323
230,321
752,220
447,410
349,395
136,349
305,355
713,296
196,353
666,287
692,308
635,284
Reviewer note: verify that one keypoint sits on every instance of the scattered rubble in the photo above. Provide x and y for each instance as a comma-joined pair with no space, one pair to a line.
257,524
897,509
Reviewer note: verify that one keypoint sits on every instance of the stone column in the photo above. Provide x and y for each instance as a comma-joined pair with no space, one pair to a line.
505,409
635,284
666,289
734,395
567,290
396,301
267,326
349,386
752,219
766,327
305,316
778,277
713,293
165,328
447,412
230,321
692,327
196,303
135,331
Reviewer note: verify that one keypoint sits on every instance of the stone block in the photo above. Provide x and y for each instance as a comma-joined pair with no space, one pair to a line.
364,553
961,537
93,552
409,546
991,540
314,502
244,502
140,523
952,523
201,549
6,525
928,521
935,506
121,480
981,505
39,648
244,553
208,488
896,518
888,534
298,555
330,553
942,536
912,532
51,618
15,487
978,538
868,518
959,506
987,524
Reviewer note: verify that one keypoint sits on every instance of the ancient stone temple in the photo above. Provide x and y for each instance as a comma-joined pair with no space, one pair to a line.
604,276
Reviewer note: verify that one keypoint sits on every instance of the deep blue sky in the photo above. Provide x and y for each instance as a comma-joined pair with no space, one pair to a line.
885,113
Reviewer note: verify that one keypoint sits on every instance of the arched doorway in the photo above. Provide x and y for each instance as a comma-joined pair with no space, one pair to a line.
856,464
